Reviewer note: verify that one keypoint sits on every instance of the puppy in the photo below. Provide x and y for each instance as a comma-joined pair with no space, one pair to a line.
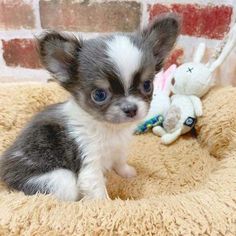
66,148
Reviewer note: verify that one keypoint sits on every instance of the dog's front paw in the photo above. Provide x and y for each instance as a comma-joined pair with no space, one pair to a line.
96,194
126,171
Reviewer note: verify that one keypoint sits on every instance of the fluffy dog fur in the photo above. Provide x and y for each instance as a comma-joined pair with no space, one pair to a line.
66,149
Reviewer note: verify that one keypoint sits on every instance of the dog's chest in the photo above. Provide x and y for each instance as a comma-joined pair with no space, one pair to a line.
109,149
102,145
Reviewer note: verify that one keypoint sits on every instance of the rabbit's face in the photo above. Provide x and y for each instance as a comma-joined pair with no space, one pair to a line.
191,79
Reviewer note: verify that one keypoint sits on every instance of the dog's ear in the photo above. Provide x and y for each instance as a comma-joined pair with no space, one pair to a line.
59,55
161,35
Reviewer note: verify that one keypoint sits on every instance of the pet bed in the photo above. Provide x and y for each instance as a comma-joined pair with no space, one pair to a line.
188,188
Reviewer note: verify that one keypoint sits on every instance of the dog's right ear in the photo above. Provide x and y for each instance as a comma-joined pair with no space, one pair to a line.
59,55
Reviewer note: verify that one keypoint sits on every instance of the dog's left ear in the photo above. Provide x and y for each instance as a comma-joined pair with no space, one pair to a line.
161,35
59,55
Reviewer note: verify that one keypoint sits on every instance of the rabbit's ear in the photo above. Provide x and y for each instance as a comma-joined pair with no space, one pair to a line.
170,71
158,80
230,44
198,55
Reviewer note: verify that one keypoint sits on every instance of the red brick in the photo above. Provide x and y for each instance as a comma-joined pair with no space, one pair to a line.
15,14
21,52
90,17
157,9
175,58
201,21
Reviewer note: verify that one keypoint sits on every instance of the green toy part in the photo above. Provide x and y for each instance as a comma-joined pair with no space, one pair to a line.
150,123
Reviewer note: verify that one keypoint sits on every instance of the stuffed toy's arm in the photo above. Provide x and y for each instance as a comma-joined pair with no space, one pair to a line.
166,138
197,104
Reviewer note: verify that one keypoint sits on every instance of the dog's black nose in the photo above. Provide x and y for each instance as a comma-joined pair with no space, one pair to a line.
130,110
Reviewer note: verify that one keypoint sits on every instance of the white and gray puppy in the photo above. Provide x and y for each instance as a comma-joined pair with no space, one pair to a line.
66,148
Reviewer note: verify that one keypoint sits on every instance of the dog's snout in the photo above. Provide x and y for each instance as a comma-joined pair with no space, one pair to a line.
130,110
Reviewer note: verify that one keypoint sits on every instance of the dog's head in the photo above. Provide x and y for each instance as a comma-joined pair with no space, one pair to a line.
110,77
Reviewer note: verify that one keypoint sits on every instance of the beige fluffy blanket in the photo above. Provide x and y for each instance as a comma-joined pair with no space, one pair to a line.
188,188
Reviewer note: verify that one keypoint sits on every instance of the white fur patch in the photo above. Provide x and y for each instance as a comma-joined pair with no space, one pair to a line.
126,56
61,183
103,146
97,139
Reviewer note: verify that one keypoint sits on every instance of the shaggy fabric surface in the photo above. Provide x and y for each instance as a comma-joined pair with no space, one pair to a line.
188,188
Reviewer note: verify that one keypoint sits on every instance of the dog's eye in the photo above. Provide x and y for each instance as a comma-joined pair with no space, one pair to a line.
147,87
99,95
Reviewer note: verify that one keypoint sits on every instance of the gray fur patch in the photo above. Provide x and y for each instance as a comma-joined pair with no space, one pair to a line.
44,145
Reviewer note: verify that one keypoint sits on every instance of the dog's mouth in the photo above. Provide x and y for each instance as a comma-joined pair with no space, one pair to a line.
121,120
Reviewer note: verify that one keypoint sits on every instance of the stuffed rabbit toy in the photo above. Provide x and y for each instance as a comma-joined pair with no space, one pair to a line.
161,94
160,100
189,83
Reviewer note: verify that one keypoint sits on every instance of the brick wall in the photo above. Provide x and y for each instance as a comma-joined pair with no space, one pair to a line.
20,20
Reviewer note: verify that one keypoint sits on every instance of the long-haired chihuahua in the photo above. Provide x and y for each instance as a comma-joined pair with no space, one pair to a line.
66,149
